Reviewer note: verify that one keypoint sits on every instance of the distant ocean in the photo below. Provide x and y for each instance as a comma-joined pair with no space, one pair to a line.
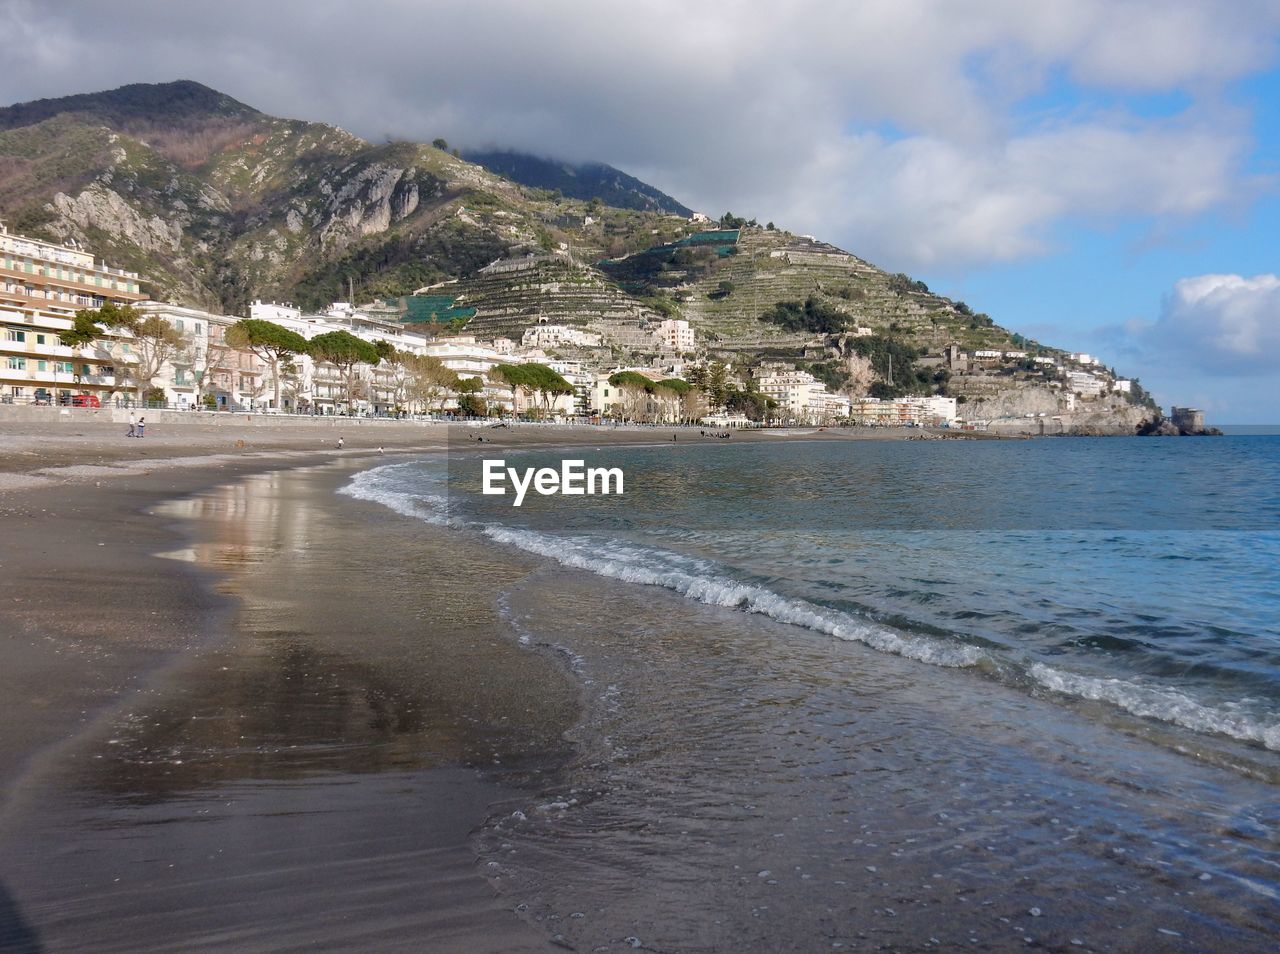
1122,593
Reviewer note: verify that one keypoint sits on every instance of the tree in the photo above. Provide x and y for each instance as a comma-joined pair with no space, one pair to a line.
472,405
440,144
516,378
345,352
153,340
270,342
92,324
671,394
717,383
429,381
532,378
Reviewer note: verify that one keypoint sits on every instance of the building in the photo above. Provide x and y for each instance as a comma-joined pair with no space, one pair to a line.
1085,384
207,372
42,286
1187,418
797,393
932,411
676,335
553,336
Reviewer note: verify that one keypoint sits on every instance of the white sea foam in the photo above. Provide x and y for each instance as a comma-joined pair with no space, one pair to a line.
698,581
1162,703
701,581
379,485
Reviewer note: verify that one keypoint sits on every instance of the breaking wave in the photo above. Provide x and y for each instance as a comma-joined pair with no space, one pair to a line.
1162,703
422,496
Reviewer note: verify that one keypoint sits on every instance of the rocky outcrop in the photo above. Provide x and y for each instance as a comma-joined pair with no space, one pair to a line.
1161,426
105,210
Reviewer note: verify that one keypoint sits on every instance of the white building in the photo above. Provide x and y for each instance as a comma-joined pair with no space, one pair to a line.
1085,384
42,286
553,336
933,410
207,372
797,393
676,335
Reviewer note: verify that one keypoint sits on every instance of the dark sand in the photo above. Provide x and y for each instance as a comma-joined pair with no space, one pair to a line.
249,744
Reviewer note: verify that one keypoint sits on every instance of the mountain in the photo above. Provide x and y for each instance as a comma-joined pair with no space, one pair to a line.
217,203
586,181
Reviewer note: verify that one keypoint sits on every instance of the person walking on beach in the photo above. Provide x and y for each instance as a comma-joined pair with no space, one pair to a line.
132,426
340,442
142,426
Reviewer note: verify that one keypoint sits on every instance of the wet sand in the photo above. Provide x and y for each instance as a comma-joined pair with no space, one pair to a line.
243,714
271,695
300,766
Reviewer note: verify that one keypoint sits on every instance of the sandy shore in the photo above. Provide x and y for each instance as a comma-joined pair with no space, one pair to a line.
192,760
134,686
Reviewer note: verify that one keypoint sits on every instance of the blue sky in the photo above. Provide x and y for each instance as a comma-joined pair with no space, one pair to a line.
1101,174
1101,281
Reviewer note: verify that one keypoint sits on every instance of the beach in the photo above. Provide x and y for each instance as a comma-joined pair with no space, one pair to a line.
95,624
246,712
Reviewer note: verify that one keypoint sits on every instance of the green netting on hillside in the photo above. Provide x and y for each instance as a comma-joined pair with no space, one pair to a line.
713,237
426,309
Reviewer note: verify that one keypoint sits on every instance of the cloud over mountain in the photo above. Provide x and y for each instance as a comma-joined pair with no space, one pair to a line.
921,133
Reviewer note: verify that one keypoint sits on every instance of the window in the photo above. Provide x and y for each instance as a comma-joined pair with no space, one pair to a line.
42,365
39,339
199,330
17,392
178,324
12,334
17,364
179,377
86,369
108,369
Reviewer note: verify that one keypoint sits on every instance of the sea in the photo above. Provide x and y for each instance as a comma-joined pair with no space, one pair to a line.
904,694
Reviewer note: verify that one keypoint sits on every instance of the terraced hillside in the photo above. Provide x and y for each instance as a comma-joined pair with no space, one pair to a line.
722,281
514,294
218,203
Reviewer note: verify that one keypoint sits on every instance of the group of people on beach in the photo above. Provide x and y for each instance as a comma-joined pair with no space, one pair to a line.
136,426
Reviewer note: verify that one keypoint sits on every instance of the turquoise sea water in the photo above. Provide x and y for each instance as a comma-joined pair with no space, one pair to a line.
1143,575
901,694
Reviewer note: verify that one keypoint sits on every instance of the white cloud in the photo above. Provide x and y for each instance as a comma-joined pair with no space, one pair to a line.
895,127
1223,324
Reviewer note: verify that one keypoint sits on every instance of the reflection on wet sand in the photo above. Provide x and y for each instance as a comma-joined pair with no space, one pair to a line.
313,776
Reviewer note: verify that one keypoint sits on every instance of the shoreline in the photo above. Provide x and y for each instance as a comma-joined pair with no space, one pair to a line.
391,714
89,679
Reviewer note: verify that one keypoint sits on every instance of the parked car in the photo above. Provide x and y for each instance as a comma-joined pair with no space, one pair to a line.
85,400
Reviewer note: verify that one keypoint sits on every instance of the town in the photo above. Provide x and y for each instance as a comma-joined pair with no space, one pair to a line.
382,359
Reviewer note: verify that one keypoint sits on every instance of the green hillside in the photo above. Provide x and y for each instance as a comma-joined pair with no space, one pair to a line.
218,204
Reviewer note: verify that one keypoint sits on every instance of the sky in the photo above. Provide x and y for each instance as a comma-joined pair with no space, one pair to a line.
1102,175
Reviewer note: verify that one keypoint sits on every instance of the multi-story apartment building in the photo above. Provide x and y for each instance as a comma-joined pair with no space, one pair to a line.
42,286
207,371
676,335
797,393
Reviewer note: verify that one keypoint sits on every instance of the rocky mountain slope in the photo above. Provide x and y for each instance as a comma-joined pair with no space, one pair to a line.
217,203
